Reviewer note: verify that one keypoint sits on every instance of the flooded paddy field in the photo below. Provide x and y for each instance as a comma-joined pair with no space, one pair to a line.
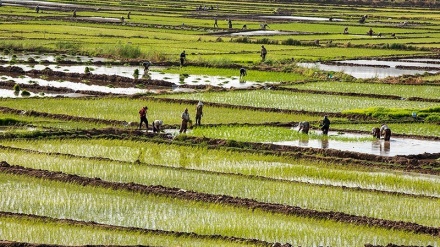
76,141
365,69
396,146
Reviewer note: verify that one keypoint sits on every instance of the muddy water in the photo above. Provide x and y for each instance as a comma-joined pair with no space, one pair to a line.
74,86
396,146
365,72
53,58
128,71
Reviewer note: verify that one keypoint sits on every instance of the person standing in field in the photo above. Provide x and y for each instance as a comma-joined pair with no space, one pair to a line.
215,23
185,121
325,125
243,73
199,113
182,58
146,65
143,117
385,131
230,23
263,53
37,9
304,127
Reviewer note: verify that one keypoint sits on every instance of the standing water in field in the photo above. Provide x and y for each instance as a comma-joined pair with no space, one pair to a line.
128,71
379,69
396,146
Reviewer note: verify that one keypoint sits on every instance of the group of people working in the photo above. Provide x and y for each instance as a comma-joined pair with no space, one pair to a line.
186,120
384,131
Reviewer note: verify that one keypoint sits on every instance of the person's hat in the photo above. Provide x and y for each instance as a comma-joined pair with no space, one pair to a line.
200,103
160,122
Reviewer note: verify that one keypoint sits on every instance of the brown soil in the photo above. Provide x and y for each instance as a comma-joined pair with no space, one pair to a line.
220,199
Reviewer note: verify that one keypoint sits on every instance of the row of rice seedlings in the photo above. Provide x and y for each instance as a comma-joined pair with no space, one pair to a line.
123,208
124,109
405,91
269,134
44,231
214,160
425,129
322,198
297,101
50,122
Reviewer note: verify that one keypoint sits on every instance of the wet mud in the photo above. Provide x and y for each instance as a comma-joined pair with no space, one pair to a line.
220,199
117,81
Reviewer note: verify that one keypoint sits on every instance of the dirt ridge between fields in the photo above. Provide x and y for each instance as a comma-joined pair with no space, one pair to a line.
221,199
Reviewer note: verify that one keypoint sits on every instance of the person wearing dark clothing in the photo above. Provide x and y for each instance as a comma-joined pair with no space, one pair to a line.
146,65
385,132
185,121
243,72
230,23
325,125
346,30
263,53
376,132
370,32
74,13
37,9
128,15
182,58
143,117
244,27
304,127
215,23
199,113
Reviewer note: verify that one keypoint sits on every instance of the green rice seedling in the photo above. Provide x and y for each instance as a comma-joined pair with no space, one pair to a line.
306,195
30,229
404,91
297,101
120,109
228,162
123,208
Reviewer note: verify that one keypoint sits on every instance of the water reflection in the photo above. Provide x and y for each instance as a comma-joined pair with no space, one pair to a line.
385,148
303,140
324,142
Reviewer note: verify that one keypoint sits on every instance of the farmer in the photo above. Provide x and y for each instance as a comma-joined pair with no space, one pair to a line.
229,23
157,125
376,132
263,53
128,15
215,23
243,72
264,26
304,127
182,58
74,13
143,117
325,125
370,32
146,65
346,30
244,27
185,120
37,9
385,131
199,113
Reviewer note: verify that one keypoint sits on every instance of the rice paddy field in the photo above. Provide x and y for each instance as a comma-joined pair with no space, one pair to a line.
78,169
